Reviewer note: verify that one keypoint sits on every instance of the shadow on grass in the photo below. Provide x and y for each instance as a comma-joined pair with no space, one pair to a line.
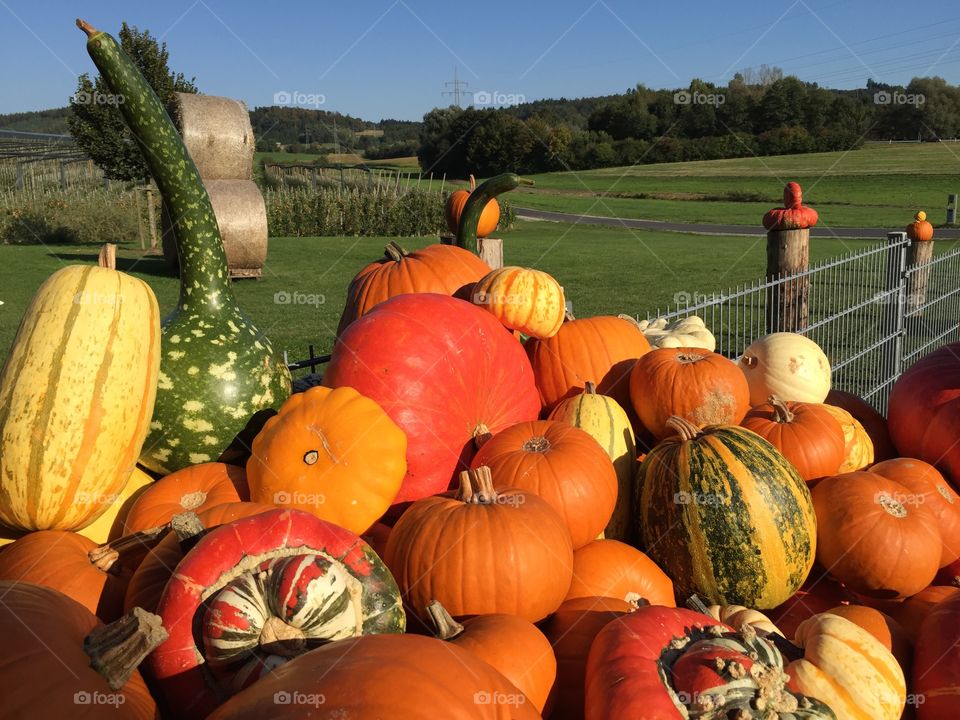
154,265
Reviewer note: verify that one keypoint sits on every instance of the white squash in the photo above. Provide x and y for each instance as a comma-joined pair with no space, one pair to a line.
687,332
790,366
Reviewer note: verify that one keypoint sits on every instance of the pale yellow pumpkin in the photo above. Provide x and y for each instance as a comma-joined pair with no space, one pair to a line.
523,299
847,668
736,616
76,397
858,447
109,526
605,421
787,365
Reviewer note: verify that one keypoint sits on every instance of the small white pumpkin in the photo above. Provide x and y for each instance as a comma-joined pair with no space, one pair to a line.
787,365
736,616
687,332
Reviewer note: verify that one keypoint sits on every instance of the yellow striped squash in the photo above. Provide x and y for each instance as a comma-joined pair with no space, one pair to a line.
605,421
726,516
523,299
109,526
76,397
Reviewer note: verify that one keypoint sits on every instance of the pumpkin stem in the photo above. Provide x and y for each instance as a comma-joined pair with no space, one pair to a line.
115,650
89,29
481,434
104,557
750,361
538,444
683,427
444,626
473,183
476,486
589,388
108,256
395,251
568,315
636,599
188,529
781,413
697,605
280,638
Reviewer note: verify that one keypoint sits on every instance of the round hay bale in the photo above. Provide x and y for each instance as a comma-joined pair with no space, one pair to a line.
218,134
242,217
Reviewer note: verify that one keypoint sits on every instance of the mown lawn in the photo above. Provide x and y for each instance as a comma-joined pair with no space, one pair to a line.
603,270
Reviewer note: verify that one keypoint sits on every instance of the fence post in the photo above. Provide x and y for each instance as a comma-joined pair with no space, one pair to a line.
63,174
151,218
895,320
788,253
919,258
490,251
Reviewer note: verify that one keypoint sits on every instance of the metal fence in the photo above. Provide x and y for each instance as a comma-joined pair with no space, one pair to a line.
871,312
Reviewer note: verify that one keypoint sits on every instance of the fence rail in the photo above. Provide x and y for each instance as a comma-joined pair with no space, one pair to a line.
865,311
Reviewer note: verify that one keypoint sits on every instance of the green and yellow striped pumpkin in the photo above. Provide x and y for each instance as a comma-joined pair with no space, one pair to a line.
726,516
605,421
76,396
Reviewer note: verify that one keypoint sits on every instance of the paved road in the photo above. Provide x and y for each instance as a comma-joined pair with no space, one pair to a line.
712,228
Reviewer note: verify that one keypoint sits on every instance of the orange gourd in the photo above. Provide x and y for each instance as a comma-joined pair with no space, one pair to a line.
920,230
609,568
489,218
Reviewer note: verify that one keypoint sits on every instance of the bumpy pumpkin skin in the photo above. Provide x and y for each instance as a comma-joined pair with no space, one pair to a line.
850,670
602,418
83,372
599,349
333,453
727,516
703,387
529,301
875,535
445,372
51,677
561,464
398,676
443,269
787,365
794,215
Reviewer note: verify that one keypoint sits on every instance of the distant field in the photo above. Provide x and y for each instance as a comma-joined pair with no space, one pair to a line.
879,185
406,163
603,270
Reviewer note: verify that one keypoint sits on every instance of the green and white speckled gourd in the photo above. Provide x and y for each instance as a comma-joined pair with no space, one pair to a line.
216,369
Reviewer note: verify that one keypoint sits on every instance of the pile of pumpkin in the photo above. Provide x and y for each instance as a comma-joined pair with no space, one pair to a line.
491,509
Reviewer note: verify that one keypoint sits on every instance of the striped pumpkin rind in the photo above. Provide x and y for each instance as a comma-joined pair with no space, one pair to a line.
76,395
726,516
605,421
523,299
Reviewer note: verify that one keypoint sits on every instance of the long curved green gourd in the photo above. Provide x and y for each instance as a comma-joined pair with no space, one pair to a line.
473,208
216,369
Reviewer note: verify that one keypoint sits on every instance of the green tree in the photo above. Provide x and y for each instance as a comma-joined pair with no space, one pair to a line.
95,121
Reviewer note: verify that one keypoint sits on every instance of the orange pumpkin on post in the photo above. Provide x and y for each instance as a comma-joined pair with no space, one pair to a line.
332,452
489,218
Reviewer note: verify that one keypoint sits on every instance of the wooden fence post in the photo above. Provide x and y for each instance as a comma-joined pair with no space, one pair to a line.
788,253
490,251
152,219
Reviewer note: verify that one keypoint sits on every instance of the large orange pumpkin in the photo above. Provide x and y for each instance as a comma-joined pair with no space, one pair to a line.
489,217
571,630
600,349
563,465
700,386
442,269
874,535
195,488
334,453
929,488
482,551
609,568
509,644
807,435
46,672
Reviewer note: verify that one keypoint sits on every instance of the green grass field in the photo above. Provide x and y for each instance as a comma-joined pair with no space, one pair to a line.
603,270
404,163
879,185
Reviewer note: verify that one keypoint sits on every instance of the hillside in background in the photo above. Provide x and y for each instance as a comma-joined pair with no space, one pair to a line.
52,121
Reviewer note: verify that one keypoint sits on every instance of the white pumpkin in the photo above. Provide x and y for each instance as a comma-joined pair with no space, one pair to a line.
787,365
688,332
737,615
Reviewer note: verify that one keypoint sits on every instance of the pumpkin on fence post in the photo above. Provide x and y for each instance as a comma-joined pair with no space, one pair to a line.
919,257
788,253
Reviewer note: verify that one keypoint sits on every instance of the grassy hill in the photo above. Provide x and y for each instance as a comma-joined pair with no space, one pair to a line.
52,121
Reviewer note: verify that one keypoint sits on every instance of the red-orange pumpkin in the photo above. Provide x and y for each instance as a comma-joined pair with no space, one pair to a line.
599,349
794,214
805,433
609,568
695,384
563,465
936,667
929,488
873,535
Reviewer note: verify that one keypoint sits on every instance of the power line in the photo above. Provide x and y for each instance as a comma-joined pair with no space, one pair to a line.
456,84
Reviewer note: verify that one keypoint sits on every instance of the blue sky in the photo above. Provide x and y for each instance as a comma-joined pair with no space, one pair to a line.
391,58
